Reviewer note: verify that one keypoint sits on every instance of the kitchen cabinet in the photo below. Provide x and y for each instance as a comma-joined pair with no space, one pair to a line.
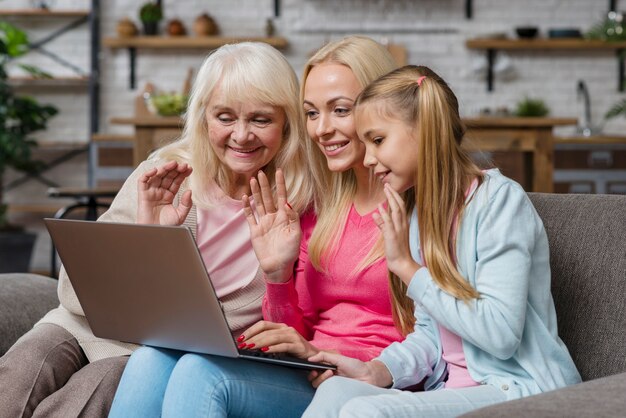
531,136
595,164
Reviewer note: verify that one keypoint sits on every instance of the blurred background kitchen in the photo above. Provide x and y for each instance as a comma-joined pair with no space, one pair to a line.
535,79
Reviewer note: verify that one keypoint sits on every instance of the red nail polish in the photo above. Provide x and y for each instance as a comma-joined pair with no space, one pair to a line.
265,348
241,338
242,345
288,205
251,345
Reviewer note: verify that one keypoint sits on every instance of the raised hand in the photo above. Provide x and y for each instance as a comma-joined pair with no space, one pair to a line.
157,189
275,231
373,372
394,225
273,337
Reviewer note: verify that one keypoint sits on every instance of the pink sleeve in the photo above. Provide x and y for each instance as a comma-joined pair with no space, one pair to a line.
282,302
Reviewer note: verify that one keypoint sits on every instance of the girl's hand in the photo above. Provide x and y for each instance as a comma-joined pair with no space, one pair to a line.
275,231
157,189
373,372
394,225
272,337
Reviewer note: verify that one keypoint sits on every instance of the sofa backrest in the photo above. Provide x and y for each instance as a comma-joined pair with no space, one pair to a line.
587,235
24,299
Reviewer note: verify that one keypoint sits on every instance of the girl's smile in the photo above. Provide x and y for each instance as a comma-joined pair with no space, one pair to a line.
390,146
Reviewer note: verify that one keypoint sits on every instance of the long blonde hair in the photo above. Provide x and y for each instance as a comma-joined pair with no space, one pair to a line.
247,71
443,170
335,191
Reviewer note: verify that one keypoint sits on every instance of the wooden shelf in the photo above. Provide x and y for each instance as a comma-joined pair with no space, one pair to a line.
80,192
150,121
180,42
99,137
492,45
541,43
60,146
170,42
49,82
518,122
591,140
34,208
44,12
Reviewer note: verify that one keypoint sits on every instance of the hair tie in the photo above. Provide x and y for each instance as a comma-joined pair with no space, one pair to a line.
419,80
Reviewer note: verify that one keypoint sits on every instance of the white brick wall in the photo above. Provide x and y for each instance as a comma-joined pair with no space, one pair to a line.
550,75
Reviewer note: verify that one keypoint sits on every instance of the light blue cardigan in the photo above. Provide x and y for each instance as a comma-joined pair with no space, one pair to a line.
509,334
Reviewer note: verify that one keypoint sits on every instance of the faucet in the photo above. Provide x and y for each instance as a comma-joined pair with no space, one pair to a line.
583,92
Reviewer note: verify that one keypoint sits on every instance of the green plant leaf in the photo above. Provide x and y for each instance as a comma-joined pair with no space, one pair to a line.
617,109
15,40
35,72
20,116
150,12
529,107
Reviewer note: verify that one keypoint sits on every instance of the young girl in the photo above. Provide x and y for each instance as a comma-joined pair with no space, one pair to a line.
474,257
326,285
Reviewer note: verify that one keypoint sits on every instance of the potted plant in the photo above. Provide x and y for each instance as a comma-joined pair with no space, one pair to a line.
529,107
150,15
20,116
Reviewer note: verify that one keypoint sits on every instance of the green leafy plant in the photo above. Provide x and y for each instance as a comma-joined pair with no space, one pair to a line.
150,13
611,29
20,116
618,108
529,107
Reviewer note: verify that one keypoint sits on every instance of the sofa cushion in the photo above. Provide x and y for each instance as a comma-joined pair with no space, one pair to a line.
587,235
24,299
600,398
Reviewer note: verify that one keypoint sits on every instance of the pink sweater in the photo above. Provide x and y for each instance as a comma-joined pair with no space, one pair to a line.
340,310
223,237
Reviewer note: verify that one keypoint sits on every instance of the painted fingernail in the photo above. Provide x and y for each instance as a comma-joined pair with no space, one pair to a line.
265,348
288,205
241,338
242,345
251,345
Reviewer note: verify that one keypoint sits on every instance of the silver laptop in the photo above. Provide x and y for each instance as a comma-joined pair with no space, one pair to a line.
147,284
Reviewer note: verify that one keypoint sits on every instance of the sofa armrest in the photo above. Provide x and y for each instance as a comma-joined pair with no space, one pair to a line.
24,299
596,398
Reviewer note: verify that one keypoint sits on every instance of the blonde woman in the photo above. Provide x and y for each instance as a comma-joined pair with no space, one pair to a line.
474,257
326,280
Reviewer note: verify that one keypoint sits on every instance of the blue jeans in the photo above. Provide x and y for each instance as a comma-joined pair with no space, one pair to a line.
347,398
160,382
